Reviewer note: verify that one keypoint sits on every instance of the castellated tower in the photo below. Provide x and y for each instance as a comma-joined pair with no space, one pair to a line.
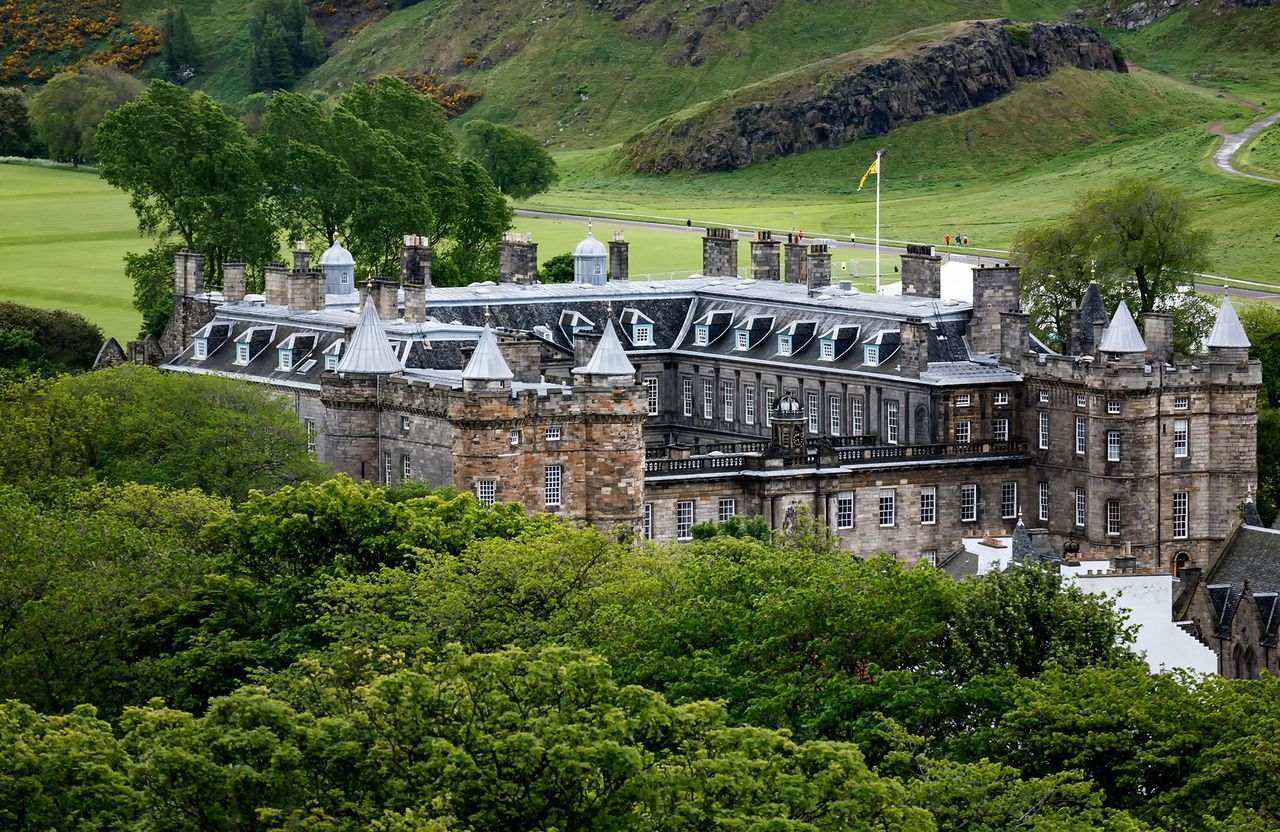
579,454
1136,452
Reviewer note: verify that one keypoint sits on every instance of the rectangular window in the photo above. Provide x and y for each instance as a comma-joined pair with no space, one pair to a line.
768,405
684,519
891,422
856,423
1000,398
242,353
963,400
1000,430
968,504
1113,517
331,362
515,438
812,401
1181,402
726,390
784,345
201,349
833,414
744,339
311,436
404,424
1081,429
964,431
888,510
1081,400
386,467
1181,438
749,404
1113,446
1044,397
1044,430
648,521
486,492
700,335
727,508
827,350
930,556
1081,505
708,399
406,467
1044,502
286,359
1113,408
644,335
686,395
871,356
651,394
553,433
1181,514
929,505
844,511
552,477
1008,500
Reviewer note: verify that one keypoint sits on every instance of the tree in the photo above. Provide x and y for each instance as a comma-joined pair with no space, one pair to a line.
151,273
179,51
284,43
15,125
191,172
558,269
517,162
62,340
67,111
1138,240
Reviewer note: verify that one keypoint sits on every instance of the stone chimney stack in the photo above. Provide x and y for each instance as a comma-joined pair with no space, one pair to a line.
383,290
720,253
584,346
1015,335
415,261
913,354
619,258
764,257
1157,331
188,273
306,291
921,272
233,272
277,285
793,252
301,257
517,258
995,290
817,267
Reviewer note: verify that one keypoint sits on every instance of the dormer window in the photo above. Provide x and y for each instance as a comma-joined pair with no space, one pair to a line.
286,359
242,353
784,345
642,335
827,350
743,339
700,335
201,349
871,355
331,362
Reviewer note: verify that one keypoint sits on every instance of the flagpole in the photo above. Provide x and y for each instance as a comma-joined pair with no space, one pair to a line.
878,221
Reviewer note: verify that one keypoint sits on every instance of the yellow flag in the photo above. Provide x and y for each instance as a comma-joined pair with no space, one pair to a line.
875,168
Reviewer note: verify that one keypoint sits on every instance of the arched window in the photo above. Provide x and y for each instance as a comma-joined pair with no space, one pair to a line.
920,430
1180,560
1237,662
1250,665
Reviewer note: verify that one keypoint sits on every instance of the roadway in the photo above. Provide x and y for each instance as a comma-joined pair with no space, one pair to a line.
891,248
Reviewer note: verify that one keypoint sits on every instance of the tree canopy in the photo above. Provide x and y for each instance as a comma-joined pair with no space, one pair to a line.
46,340
68,110
518,163
179,51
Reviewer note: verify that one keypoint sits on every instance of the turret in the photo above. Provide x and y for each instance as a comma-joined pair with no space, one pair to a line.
339,269
1121,339
487,369
590,261
609,365
369,352
1227,340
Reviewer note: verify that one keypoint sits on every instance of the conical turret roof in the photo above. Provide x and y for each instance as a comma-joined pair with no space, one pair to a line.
369,350
1092,309
1122,333
609,359
487,363
1227,331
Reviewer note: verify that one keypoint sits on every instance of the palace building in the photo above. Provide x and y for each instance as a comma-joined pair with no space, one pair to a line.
904,422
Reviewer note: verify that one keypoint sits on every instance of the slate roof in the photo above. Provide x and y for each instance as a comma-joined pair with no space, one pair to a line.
1252,557
1227,331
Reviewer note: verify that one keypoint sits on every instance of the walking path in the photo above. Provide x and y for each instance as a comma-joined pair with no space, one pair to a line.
1232,142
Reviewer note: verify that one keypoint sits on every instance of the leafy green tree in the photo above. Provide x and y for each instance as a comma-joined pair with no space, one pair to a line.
191,173
151,273
735,526
517,162
15,124
179,51
62,772
284,43
558,269
68,110
62,340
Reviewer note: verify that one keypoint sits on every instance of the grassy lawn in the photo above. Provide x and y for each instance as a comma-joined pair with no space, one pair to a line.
63,235
1263,153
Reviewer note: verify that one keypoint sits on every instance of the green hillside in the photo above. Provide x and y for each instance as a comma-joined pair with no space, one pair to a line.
1263,153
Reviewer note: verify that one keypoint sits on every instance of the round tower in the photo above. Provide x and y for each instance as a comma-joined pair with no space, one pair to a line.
339,269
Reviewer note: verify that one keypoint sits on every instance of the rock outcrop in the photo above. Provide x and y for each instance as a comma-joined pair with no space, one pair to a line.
837,103
1130,16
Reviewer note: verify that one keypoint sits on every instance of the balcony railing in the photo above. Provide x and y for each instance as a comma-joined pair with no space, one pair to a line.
754,460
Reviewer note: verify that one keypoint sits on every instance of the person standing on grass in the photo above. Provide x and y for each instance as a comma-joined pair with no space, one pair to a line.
948,238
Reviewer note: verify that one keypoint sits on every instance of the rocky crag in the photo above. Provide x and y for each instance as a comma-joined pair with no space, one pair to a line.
1130,16
838,101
